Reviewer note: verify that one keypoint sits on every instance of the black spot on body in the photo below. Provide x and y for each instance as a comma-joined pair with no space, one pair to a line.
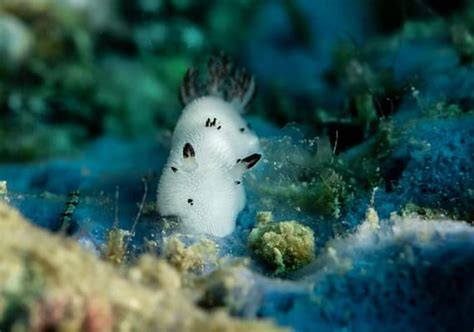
212,123
190,201
242,130
174,169
238,182
219,128
188,151
251,160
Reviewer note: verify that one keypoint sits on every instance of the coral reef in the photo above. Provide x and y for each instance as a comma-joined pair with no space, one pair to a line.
365,116
57,286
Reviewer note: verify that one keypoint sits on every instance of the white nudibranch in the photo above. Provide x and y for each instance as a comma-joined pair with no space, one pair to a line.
215,128
211,149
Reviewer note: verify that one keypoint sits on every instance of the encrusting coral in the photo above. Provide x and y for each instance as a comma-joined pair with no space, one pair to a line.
284,246
48,282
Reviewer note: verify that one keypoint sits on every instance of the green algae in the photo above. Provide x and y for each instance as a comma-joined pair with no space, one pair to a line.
426,213
445,110
463,42
27,142
75,67
283,246
367,160
328,194
307,174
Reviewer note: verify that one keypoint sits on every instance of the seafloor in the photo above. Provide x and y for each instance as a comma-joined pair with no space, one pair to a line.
358,218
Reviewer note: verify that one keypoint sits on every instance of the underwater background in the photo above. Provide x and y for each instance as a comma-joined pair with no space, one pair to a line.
358,218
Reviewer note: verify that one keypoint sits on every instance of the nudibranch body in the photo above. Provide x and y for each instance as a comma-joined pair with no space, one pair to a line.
212,147
206,200
218,125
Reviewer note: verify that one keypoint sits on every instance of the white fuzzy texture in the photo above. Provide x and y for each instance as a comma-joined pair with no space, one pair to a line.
216,200
205,191
211,148
233,142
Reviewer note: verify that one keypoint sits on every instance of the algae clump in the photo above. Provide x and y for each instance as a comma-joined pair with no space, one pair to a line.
192,258
283,246
155,272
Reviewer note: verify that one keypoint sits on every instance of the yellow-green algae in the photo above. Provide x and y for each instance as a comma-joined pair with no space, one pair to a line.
115,249
189,258
49,282
284,246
